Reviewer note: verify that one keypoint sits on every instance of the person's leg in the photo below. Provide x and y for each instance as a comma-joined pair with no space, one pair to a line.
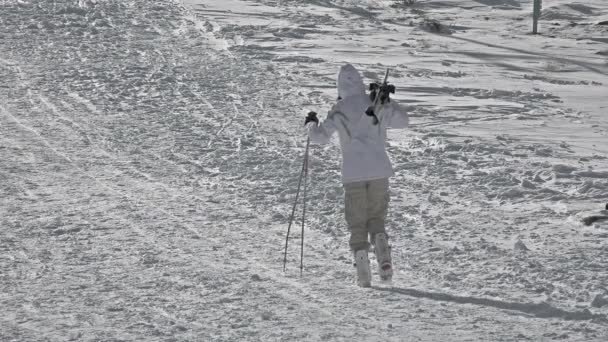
377,206
378,198
355,200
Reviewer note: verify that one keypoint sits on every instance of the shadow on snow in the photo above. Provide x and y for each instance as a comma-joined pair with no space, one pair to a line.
540,310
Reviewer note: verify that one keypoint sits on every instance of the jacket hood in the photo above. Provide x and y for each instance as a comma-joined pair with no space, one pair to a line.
350,82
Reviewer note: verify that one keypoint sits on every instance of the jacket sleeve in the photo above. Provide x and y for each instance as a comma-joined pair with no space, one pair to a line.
321,133
394,115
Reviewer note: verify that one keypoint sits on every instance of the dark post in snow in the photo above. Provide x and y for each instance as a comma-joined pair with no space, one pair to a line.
536,15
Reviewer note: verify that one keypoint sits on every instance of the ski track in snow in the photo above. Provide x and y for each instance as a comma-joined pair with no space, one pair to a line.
149,154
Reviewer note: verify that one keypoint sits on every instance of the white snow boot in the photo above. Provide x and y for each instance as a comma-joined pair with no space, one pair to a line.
364,275
383,255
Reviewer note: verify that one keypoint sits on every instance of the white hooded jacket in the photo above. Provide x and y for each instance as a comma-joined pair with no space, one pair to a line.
362,143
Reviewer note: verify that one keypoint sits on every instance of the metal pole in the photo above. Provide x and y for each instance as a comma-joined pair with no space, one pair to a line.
536,15
293,210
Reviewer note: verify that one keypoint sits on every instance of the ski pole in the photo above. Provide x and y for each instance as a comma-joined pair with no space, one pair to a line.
293,210
304,207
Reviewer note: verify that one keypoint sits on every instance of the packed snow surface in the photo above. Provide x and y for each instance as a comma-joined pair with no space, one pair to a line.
150,153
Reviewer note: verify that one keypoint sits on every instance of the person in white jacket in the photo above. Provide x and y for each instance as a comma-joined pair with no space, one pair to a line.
366,167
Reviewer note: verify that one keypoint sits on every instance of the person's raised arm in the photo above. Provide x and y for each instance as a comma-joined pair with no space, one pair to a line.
394,116
320,132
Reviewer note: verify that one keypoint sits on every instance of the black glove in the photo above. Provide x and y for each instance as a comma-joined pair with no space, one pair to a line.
312,116
385,93
373,91
384,90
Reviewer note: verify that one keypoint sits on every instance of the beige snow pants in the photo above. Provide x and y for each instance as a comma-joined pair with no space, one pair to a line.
366,206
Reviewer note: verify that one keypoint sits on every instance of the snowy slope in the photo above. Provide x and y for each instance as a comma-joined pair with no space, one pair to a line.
150,152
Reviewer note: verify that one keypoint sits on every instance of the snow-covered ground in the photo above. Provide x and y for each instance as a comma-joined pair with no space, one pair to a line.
150,154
